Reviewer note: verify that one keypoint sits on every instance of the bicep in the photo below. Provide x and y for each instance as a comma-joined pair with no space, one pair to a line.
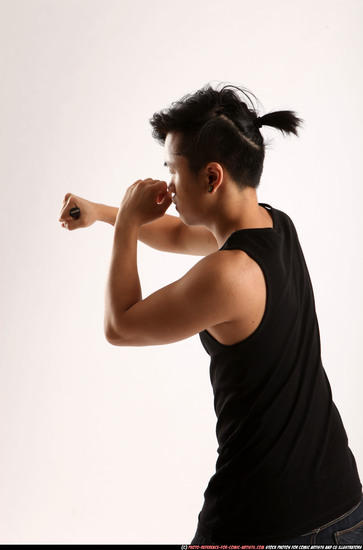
176,312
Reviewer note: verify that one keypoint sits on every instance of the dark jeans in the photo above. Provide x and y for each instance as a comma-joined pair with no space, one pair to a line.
347,529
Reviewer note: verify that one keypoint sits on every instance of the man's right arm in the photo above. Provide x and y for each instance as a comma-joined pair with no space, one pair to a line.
168,233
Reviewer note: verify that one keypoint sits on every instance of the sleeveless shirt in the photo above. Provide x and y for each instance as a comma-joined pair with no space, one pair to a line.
284,466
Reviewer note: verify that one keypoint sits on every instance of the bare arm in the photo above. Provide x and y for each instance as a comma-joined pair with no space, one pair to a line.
174,312
168,233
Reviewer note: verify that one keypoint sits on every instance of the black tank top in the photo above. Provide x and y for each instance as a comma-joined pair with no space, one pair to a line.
284,465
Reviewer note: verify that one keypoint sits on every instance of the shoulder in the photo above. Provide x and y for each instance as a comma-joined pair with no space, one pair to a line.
234,270
227,262
236,287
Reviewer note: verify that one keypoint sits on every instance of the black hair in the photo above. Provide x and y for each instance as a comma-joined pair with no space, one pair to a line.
222,125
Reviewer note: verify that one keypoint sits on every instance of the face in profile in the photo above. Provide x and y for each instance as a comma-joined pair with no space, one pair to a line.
187,188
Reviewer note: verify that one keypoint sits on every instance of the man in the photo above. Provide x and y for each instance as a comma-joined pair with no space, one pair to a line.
285,472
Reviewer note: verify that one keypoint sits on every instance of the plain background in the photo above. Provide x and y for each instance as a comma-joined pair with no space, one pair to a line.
116,445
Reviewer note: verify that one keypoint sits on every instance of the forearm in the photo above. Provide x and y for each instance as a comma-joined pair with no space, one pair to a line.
123,288
158,234
106,213
168,233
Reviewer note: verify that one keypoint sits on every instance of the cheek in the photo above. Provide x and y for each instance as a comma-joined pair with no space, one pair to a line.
176,182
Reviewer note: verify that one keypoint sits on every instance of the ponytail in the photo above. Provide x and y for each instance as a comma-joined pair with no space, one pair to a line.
285,121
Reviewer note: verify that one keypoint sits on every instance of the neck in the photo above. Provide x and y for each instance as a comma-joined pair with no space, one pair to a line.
237,209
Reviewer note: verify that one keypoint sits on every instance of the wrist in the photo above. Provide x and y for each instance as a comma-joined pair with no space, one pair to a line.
126,226
127,222
106,213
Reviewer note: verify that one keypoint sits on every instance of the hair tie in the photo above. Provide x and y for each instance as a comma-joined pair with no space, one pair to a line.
258,122
219,111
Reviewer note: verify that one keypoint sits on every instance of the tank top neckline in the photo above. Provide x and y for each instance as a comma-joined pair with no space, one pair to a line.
256,229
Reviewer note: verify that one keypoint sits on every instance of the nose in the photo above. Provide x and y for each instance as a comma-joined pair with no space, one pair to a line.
171,187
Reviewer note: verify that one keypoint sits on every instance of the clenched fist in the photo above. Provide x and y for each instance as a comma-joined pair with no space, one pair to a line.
145,201
88,212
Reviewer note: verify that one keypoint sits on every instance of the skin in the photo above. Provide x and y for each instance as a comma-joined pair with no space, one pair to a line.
168,233
225,292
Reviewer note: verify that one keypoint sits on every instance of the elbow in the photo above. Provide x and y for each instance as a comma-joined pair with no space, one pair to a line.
123,333
114,336
125,337
111,340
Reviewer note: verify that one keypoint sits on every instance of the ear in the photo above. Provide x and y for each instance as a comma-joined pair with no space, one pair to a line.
213,176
